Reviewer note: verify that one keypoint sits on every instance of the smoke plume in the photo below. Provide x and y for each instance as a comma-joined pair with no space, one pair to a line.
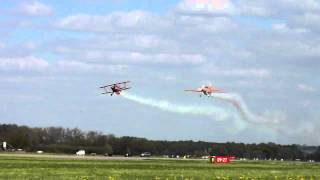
220,114
243,109
241,118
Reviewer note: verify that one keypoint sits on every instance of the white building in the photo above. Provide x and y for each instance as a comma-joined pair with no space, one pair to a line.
81,153
4,145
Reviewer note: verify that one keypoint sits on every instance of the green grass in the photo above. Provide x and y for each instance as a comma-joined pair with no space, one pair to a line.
43,167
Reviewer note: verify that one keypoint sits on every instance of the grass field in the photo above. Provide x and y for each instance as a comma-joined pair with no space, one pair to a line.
60,167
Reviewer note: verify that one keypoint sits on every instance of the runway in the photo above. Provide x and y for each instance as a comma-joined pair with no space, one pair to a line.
86,157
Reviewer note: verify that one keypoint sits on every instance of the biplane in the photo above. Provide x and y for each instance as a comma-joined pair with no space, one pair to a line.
206,90
115,88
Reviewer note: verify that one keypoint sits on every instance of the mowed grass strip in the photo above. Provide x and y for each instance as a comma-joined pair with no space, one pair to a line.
14,167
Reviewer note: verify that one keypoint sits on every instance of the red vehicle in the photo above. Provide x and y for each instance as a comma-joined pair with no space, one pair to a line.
115,88
206,90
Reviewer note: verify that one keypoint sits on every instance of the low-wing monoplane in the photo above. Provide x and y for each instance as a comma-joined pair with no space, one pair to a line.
115,88
206,90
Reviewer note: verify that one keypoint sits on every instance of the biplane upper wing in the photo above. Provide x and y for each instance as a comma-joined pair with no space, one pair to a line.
125,82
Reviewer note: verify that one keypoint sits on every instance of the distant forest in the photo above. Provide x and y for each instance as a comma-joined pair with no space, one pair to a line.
68,141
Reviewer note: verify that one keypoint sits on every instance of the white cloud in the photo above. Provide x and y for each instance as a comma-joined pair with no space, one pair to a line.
308,20
129,50
23,63
206,7
35,8
24,79
283,8
306,103
119,57
260,73
77,66
260,8
290,47
134,42
117,21
2,45
240,72
283,28
135,34
29,45
255,8
204,25
71,66
141,22
168,78
306,88
164,58
298,6
29,98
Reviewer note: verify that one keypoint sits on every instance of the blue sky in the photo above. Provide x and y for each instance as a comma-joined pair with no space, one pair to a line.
55,54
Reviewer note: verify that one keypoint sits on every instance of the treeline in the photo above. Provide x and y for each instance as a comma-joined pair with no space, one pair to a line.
65,140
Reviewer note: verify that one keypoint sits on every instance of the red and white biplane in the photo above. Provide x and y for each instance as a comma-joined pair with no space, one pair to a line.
115,88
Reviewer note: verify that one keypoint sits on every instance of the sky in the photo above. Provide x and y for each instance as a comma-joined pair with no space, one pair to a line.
54,56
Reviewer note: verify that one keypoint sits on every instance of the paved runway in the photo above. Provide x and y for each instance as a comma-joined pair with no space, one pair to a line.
86,157
62,156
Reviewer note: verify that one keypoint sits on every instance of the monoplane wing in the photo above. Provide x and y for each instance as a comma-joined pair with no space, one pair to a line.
192,90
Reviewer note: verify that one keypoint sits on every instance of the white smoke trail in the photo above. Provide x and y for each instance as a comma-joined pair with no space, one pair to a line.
274,121
220,114
247,115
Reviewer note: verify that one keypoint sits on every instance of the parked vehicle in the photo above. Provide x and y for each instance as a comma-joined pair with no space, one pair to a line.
145,154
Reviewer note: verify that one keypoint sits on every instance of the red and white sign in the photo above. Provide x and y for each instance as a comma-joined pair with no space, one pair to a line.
222,159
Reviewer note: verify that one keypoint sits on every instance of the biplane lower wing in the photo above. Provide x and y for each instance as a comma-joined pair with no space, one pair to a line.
106,92
125,88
